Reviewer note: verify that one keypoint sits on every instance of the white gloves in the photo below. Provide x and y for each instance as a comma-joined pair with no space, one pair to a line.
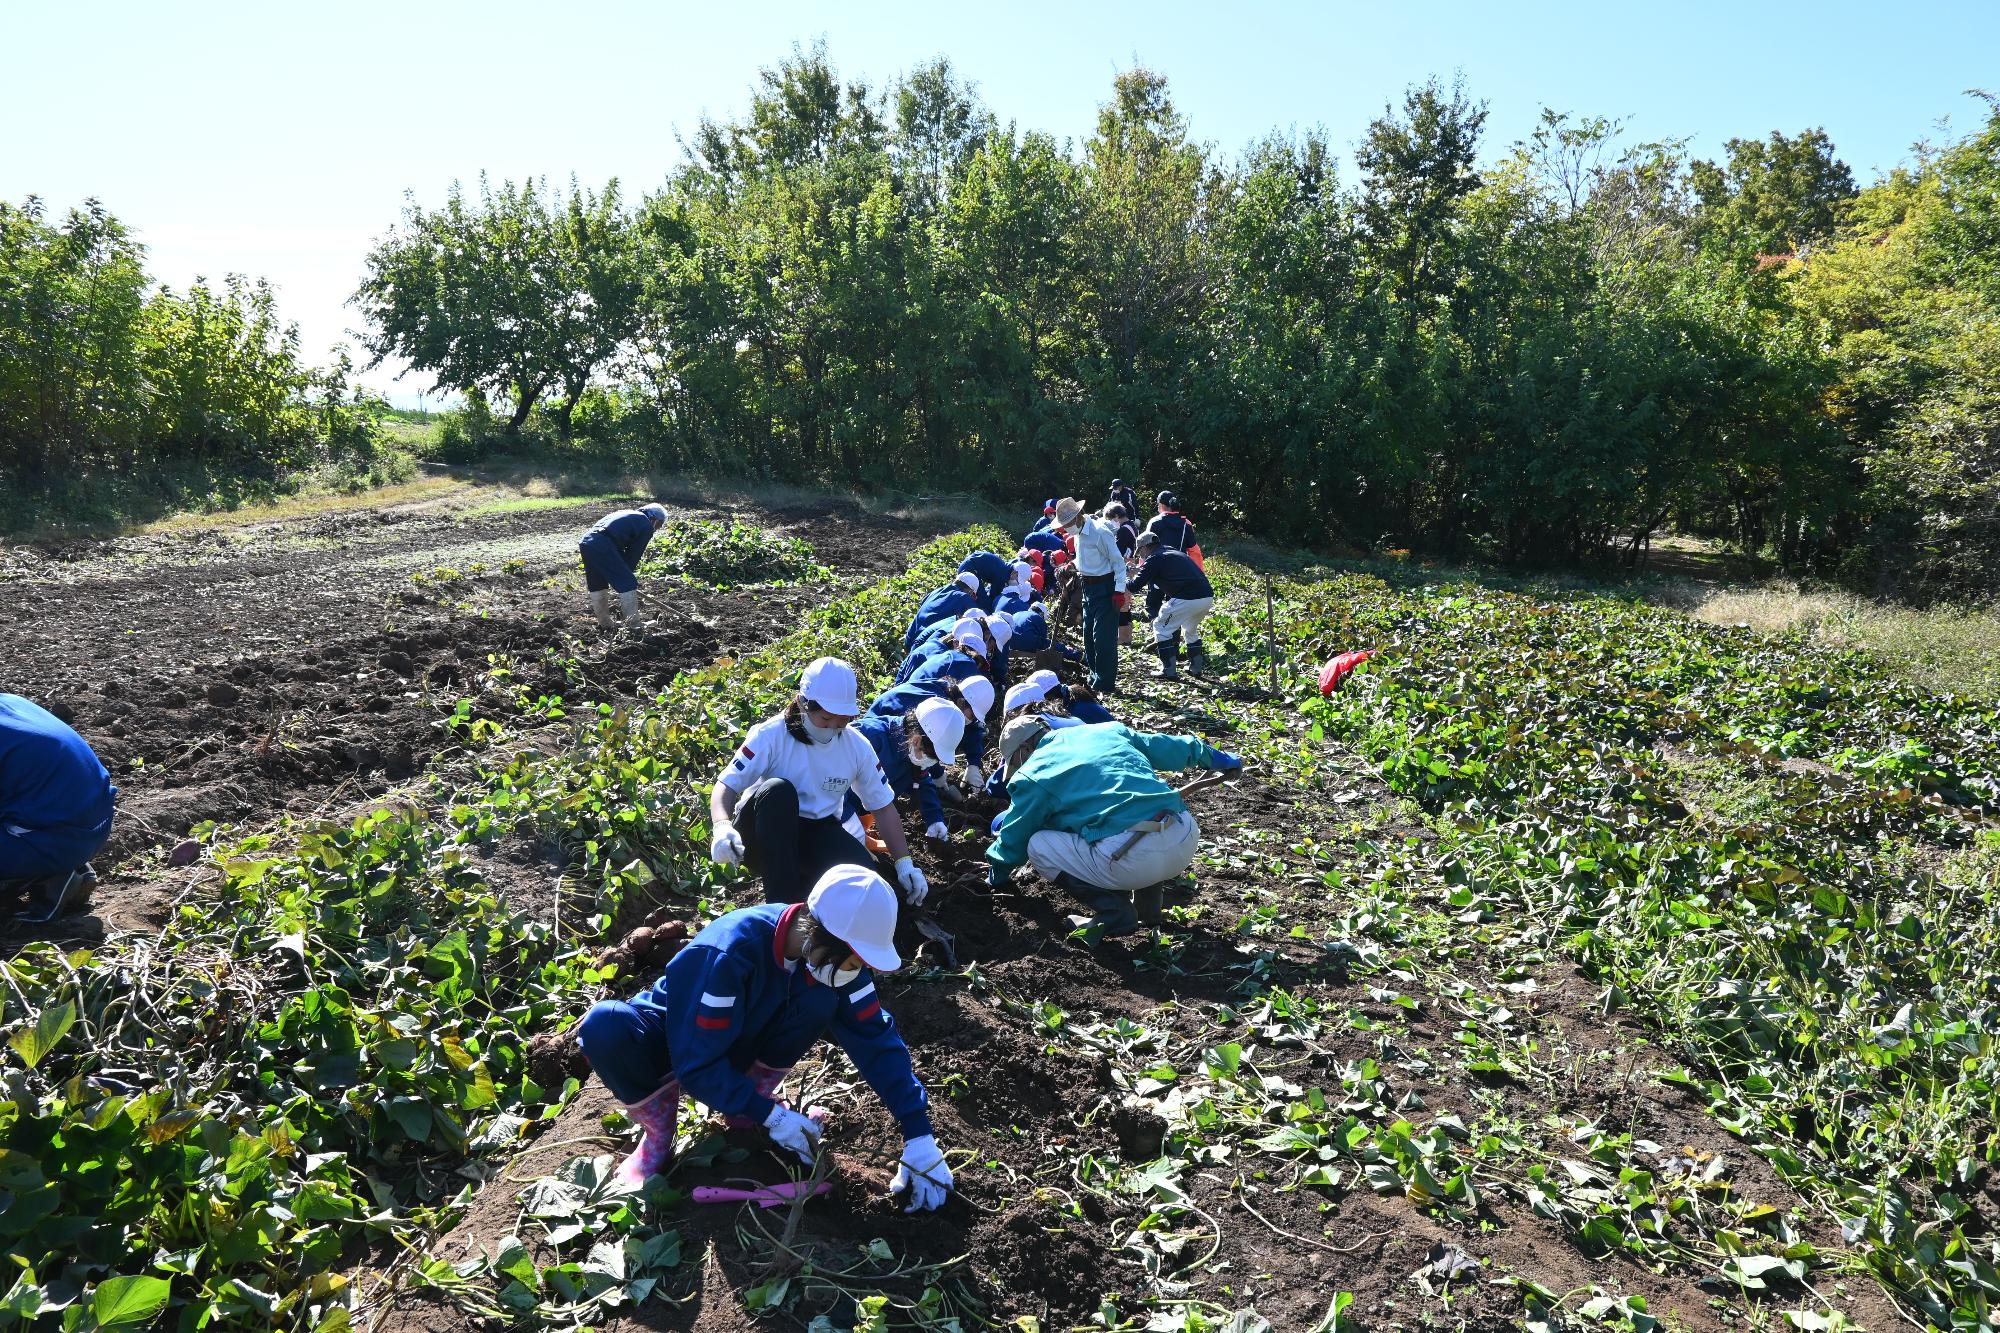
974,778
795,1133
924,1174
726,847
915,886
938,831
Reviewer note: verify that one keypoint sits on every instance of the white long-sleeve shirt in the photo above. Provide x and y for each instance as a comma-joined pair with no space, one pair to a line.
1097,551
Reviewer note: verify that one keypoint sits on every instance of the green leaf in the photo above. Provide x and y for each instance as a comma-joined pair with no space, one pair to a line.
129,1300
33,1043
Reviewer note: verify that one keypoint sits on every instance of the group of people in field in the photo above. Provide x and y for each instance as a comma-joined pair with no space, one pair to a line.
815,799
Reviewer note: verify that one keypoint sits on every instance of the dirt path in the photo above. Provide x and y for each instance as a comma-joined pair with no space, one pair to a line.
301,666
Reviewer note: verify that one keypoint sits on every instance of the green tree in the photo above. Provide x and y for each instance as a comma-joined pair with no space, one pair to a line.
1774,196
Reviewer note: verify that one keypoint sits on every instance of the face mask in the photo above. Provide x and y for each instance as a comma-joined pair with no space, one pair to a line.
821,735
832,974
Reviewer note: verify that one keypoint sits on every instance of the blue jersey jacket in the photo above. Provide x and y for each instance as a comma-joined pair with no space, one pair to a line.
946,604
628,531
994,572
900,699
731,999
1044,539
51,781
1170,574
904,778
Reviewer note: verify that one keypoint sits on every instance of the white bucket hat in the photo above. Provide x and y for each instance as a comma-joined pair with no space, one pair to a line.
940,720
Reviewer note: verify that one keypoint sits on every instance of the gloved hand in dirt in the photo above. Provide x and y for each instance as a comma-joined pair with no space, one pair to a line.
1226,762
938,831
793,1132
996,876
915,885
975,777
924,1174
726,847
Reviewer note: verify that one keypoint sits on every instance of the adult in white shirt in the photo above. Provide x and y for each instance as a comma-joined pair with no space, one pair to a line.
777,806
1101,567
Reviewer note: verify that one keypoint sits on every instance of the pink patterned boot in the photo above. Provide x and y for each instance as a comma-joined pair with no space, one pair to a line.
657,1116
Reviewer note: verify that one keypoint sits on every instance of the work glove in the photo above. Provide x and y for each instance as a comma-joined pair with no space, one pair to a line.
726,847
1119,601
793,1132
975,777
994,827
1225,762
915,886
996,877
924,1174
938,831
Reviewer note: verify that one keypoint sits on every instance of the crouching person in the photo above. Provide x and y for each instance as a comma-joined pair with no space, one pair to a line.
1178,598
777,806
56,804
1086,809
743,1002
611,552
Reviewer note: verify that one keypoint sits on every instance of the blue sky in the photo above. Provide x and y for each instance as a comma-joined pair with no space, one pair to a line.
277,139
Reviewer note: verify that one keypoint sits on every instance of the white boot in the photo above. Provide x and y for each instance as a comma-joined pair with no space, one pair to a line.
600,606
628,606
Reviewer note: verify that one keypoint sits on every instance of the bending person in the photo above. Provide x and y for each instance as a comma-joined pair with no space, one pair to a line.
743,1002
56,803
1086,809
777,806
611,552
1178,598
914,750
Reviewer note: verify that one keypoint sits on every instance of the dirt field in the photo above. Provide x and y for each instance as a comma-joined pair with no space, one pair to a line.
305,668
241,673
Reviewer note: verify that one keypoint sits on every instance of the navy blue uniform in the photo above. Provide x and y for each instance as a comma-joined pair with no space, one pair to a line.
947,603
56,797
1044,539
904,778
1173,530
900,699
994,572
612,550
730,1000
1170,574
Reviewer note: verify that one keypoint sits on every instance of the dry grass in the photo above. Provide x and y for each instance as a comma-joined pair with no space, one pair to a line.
306,505
1940,648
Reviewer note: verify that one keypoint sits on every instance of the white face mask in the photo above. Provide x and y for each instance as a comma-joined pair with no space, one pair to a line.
821,735
832,974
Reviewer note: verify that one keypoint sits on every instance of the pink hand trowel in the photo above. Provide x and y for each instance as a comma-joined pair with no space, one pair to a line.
764,1196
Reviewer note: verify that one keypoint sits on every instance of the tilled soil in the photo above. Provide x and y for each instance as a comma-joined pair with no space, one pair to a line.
304,667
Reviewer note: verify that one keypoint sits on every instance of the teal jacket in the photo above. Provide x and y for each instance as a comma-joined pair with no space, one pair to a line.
1093,782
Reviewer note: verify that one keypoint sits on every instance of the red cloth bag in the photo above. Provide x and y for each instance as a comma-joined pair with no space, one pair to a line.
1339,669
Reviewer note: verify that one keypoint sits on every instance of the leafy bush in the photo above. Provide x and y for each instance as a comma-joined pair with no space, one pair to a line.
726,554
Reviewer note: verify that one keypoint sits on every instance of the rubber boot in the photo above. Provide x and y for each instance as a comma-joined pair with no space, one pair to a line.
1114,914
1197,659
658,1116
58,895
628,606
1169,659
1150,902
600,606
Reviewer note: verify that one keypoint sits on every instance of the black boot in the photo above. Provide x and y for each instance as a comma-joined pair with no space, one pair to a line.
1114,914
1150,902
1197,660
1169,652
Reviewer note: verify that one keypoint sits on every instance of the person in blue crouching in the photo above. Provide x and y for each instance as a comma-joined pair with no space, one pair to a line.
743,1002
56,803
611,552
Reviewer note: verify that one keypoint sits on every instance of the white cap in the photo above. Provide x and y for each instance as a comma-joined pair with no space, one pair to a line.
971,637
1002,630
858,905
1027,692
945,725
829,682
1045,678
969,579
978,691
656,512
1023,571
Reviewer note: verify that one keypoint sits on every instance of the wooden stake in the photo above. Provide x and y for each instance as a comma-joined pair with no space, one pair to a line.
1271,632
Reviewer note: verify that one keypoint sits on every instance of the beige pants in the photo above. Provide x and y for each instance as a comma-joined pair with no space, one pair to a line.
1185,614
1154,858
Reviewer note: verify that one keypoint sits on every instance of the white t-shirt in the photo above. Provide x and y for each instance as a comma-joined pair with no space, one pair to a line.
821,774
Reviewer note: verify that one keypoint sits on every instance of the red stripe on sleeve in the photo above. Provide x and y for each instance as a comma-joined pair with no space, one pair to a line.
868,1013
705,1021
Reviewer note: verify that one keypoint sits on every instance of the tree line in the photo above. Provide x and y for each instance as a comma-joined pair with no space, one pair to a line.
1542,354
100,370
